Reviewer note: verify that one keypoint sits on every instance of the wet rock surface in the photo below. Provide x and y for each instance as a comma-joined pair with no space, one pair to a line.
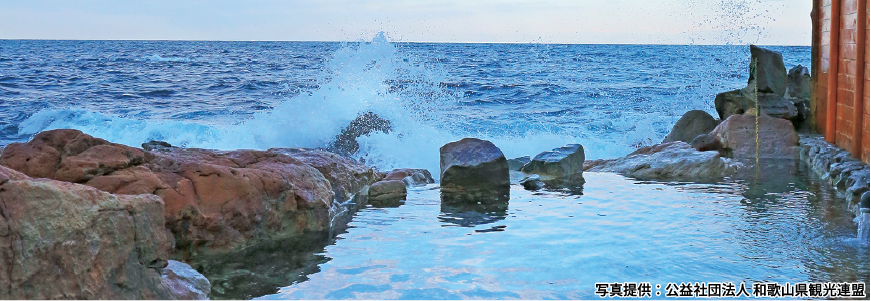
849,176
365,124
387,193
668,161
565,162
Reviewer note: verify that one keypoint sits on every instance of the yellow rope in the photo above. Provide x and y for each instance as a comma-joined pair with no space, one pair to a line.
758,109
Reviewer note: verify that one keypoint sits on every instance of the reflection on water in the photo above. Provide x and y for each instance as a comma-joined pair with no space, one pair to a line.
777,225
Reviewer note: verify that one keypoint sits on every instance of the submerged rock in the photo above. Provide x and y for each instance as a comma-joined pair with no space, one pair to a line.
668,161
65,240
691,125
473,170
738,136
346,142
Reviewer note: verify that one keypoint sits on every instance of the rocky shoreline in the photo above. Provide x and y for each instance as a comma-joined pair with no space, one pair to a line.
84,218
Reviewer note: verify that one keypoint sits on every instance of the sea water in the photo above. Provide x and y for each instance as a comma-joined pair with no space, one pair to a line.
777,226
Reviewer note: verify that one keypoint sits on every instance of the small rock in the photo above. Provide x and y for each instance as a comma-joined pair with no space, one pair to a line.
532,182
185,282
705,142
517,163
691,125
864,203
154,145
387,193
411,177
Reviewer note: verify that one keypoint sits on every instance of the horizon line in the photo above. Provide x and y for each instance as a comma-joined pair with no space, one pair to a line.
407,42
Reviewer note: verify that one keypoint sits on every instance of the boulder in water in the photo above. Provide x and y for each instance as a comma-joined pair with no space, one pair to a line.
565,162
185,282
346,142
691,125
473,170
738,136
387,193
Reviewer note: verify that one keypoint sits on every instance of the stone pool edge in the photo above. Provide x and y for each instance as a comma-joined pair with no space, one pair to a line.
848,176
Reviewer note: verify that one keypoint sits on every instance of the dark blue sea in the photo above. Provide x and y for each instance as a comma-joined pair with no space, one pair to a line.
526,98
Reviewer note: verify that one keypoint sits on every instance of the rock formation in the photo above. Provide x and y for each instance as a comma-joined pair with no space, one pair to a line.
776,94
215,201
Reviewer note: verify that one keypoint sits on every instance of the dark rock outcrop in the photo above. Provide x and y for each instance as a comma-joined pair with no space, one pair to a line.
61,240
668,161
473,170
738,137
770,74
691,125
346,142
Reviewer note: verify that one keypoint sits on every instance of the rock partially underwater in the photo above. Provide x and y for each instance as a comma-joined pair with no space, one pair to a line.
473,170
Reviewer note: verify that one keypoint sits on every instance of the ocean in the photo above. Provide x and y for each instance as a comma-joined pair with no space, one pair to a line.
526,98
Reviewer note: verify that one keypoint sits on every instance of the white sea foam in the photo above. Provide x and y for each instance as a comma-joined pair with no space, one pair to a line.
364,77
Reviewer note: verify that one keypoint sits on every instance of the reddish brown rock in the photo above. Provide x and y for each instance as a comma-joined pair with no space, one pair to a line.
61,240
215,201
70,156
738,137
345,175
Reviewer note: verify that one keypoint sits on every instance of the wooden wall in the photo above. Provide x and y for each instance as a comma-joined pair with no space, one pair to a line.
841,113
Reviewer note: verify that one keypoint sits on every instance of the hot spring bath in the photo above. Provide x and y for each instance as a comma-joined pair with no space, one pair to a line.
777,225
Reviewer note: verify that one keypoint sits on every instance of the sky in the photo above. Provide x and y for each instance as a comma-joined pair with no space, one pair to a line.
763,22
